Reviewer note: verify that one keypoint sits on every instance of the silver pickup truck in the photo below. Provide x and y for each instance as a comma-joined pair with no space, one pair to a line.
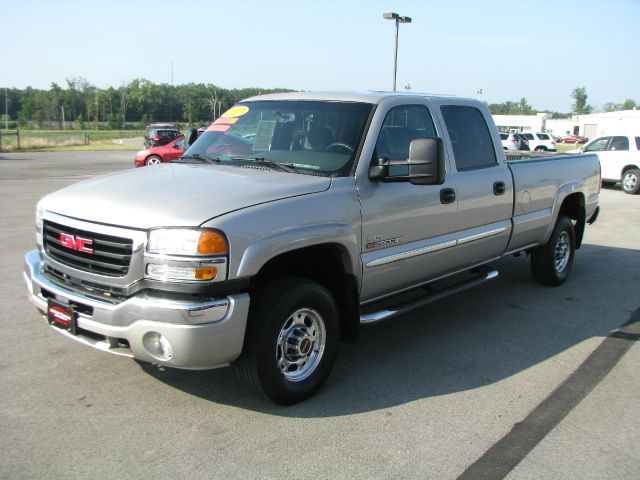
291,221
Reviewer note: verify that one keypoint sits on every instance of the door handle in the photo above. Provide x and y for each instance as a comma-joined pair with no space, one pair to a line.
447,195
499,188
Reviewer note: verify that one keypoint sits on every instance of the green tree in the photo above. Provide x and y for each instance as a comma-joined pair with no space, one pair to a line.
580,107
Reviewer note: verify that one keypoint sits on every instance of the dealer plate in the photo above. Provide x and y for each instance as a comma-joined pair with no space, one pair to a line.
62,316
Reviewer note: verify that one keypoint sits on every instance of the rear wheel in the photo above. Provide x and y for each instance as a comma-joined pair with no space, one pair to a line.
551,263
291,342
631,181
153,160
541,148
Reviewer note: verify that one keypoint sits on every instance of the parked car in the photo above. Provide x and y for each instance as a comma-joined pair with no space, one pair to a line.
619,157
514,141
160,134
161,153
573,139
540,141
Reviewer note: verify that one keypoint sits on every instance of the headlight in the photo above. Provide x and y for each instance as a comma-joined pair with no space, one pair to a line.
185,254
39,223
188,242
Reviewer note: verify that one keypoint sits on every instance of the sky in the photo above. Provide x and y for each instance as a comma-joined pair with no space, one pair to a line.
493,50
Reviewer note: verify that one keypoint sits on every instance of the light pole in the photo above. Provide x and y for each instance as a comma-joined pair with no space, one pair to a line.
399,20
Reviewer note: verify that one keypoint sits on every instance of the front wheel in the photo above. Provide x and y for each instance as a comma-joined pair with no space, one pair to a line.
291,342
153,160
551,262
631,181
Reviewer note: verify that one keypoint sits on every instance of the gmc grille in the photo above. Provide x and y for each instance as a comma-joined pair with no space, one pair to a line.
111,255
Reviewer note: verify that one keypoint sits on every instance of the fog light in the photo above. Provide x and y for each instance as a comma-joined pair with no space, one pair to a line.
158,345
165,347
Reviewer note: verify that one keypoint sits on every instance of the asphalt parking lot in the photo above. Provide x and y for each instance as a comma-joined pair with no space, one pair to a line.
510,380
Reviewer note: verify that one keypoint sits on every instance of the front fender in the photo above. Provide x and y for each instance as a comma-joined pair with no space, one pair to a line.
267,248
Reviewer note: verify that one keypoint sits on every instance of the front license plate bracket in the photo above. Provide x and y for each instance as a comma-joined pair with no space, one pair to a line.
62,316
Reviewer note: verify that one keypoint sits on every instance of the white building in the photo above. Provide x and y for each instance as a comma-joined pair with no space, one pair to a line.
625,122
522,123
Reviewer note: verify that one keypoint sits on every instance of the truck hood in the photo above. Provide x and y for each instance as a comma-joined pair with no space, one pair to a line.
176,195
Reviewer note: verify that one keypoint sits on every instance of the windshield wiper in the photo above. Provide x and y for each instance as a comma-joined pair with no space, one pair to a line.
197,156
285,167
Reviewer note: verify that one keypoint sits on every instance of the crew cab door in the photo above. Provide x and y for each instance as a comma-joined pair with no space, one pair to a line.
407,230
484,186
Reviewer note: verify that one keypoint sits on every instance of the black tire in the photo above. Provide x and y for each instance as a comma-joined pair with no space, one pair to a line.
541,148
551,263
302,315
153,160
631,181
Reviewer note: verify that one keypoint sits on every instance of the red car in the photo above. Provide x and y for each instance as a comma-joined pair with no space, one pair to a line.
573,139
163,153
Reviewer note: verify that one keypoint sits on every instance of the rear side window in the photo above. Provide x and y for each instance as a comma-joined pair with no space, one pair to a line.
543,136
638,143
470,137
619,143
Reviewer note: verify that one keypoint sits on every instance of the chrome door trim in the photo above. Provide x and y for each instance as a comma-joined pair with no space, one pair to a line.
480,236
412,253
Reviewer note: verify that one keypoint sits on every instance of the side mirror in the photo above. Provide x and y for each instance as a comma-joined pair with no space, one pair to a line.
379,169
190,137
426,161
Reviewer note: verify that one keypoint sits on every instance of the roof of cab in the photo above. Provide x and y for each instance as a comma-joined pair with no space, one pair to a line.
364,97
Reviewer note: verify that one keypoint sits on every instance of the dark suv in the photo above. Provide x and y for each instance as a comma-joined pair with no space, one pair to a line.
160,134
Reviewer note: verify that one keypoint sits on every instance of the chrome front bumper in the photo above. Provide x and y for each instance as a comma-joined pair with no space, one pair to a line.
202,335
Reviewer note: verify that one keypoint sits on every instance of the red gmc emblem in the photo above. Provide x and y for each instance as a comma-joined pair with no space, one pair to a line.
76,243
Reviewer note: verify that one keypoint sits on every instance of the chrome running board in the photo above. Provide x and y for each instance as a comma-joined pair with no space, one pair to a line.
482,276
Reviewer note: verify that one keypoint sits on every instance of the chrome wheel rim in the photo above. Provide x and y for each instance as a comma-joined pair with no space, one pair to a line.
563,252
629,181
300,345
153,161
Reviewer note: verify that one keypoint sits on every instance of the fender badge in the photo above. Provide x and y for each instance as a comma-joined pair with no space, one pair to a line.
385,243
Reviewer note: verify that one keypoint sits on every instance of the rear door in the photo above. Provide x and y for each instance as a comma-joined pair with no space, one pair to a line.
484,186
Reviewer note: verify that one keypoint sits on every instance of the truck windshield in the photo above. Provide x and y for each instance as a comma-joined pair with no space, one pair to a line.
313,137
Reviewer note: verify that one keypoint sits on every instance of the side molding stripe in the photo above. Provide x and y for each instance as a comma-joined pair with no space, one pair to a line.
434,248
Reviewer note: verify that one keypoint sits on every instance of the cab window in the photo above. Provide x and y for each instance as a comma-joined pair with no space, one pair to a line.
619,143
598,145
470,138
400,126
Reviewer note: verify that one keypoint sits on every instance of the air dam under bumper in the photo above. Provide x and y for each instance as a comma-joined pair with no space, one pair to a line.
202,335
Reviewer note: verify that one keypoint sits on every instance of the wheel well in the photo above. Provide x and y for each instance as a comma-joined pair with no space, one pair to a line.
629,167
327,265
573,207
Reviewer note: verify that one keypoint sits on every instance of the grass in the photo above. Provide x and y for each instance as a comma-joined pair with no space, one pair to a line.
565,147
65,140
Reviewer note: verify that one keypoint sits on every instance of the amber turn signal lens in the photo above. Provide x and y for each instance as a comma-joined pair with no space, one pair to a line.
206,273
212,243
